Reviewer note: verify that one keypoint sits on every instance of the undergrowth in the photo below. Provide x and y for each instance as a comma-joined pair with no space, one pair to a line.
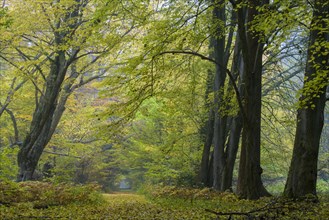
226,205
39,200
44,194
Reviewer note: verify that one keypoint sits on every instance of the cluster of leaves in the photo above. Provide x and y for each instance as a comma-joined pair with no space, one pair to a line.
8,168
4,19
44,194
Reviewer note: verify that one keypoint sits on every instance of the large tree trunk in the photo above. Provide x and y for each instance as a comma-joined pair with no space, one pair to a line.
302,175
250,185
38,137
220,76
31,159
50,107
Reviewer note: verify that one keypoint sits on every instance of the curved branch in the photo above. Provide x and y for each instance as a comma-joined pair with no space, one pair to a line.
203,57
10,95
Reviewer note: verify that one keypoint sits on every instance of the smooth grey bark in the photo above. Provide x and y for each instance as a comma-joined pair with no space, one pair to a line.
207,135
210,177
236,124
218,133
231,152
67,89
38,137
302,175
250,185
220,76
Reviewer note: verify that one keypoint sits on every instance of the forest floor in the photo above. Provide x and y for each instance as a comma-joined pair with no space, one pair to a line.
135,206
128,205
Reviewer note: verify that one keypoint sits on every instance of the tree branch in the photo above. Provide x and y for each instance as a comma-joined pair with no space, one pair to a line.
22,70
13,119
10,95
203,57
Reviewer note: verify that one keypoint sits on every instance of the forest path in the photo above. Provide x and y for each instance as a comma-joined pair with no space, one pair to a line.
130,205
125,197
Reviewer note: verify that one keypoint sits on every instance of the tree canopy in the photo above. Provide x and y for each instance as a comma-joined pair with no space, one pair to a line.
231,95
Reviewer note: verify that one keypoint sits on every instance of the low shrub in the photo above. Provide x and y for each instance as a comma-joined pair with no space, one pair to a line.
187,193
44,194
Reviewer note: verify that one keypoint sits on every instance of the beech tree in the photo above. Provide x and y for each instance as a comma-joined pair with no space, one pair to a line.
219,81
71,40
302,175
250,185
43,121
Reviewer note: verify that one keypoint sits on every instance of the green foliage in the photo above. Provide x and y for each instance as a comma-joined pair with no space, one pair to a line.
163,146
322,186
5,20
198,200
8,166
149,106
44,194
21,201
159,191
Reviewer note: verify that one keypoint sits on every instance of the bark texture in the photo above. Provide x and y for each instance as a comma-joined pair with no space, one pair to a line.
221,127
235,125
39,135
207,131
302,175
220,76
250,185
51,105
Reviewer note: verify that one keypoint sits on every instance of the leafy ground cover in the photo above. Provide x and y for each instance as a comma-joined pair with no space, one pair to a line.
47,201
